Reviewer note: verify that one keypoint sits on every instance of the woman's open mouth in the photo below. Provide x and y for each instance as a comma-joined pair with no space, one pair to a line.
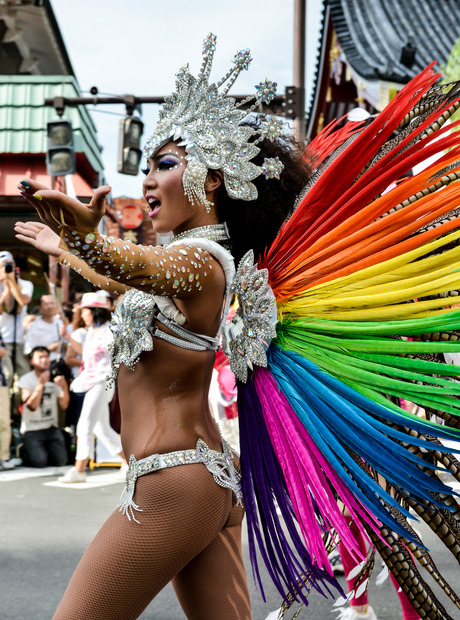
154,205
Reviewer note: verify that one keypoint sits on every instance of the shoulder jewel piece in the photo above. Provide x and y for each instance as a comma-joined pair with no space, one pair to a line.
208,123
130,329
247,336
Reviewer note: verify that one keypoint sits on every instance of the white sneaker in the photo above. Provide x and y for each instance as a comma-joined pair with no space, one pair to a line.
336,562
73,475
349,613
6,465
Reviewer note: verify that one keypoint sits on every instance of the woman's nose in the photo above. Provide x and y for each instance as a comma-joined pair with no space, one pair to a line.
149,180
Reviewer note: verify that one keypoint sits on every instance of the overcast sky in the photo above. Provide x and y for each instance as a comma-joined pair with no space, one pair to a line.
137,46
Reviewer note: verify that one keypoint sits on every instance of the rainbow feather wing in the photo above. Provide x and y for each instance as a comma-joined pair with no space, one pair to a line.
354,270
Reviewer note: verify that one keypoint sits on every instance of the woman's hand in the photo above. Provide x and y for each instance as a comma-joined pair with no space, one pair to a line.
56,209
39,236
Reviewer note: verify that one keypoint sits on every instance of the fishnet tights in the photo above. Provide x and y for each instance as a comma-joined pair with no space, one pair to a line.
189,533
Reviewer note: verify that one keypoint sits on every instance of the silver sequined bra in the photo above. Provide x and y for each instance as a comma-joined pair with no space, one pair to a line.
133,330
219,464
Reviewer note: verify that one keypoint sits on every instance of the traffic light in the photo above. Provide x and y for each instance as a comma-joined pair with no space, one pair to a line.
60,156
129,153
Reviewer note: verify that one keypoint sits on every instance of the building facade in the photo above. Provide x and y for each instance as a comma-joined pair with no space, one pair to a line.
34,65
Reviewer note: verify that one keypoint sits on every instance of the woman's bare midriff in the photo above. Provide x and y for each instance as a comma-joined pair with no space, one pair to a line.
164,402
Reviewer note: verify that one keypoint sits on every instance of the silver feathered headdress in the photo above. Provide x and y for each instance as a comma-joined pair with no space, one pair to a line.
207,123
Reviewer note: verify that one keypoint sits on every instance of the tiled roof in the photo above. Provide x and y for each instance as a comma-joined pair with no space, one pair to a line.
319,59
23,116
372,34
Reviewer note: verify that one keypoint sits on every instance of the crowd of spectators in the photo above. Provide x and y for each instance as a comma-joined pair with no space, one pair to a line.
41,376
53,393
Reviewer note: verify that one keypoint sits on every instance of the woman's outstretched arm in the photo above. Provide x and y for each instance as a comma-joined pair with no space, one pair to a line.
44,239
179,271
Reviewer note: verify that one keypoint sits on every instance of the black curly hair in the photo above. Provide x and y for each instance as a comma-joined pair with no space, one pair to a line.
254,224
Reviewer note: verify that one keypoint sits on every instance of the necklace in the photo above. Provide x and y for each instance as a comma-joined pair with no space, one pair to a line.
213,232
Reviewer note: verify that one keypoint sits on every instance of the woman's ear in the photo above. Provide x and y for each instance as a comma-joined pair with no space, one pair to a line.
214,180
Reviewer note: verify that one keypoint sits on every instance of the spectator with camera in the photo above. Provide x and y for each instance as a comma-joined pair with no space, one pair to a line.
43,441
15,294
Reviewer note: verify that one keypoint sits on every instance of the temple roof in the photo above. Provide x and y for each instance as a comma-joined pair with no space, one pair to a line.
393,40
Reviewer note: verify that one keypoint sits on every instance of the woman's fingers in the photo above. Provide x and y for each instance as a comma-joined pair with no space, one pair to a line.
29,228
25,232
39,207
49,204
98,200
30,186
26,239
56,209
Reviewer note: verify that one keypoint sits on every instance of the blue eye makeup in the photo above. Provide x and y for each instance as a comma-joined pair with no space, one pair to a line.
167,163
163,162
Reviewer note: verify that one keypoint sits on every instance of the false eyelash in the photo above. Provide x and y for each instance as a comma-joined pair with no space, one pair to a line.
145,171
167,163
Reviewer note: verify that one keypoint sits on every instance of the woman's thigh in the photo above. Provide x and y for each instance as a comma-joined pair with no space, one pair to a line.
214,584
128,563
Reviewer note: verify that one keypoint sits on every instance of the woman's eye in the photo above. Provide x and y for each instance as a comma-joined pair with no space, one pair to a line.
145,171
167,164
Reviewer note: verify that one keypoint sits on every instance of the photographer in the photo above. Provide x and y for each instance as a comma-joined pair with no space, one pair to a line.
44,442
15,294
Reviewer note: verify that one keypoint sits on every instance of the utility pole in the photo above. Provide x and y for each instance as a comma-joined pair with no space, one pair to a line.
299,68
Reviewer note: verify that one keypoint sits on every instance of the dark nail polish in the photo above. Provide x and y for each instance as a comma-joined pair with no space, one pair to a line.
25,184
23,194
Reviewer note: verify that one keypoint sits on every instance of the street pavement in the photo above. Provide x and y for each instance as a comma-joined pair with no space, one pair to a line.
46,526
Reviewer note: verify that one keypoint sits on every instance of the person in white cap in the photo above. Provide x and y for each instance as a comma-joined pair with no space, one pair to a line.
15,294
95,416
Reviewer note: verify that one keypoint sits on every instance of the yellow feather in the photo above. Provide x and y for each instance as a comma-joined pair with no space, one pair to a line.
391,312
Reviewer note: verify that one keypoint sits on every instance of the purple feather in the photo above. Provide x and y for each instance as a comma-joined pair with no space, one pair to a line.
283,550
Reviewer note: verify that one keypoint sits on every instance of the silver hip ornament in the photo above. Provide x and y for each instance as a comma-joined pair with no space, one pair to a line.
208,124
247,336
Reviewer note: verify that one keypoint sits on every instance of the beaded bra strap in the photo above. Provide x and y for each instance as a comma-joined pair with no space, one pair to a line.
188,340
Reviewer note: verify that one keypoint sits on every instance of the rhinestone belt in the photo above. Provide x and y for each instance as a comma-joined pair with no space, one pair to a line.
219,464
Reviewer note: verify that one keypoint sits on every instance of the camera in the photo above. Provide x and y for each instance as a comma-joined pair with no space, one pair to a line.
60,368
9,267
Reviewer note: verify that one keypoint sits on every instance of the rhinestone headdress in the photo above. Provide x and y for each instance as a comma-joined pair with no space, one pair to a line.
208,124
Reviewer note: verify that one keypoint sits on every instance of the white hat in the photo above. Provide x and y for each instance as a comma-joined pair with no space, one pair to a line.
95,300
6,256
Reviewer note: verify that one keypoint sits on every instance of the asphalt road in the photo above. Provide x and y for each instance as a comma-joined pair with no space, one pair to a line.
45,528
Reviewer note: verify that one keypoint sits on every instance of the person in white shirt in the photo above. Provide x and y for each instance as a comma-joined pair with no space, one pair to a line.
44,442
15,294
46,330
95,415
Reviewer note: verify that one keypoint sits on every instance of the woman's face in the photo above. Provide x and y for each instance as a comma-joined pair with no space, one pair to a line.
168,206
87,316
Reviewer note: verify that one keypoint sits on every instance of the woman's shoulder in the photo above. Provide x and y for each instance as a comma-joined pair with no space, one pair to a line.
200,247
